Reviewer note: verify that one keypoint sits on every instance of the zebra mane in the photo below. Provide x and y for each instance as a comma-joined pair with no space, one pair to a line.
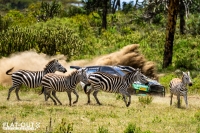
72,73
50,62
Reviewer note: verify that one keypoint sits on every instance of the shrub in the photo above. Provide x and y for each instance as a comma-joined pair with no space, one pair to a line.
102,129
63,127
145,99
131,128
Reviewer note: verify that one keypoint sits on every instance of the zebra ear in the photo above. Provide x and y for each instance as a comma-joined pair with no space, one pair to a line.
188,73
184,73
138,69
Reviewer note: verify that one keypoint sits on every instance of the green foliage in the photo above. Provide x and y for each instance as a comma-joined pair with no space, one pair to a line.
102,129
145,100
193,24
198,129
17,18
186,51
44,37
197,115
195,88
131,128
119,97
48,10
4,23
81,36
72,11
2,87
63,127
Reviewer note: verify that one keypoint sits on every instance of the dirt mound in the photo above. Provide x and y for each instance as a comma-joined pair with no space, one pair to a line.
30,60
129,56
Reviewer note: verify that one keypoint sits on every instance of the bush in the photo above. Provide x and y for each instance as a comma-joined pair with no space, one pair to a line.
102,129
131,128
145,99
63,127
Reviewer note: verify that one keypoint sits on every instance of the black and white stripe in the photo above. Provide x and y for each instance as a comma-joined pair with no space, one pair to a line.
178,87
53,82
32,79
113,84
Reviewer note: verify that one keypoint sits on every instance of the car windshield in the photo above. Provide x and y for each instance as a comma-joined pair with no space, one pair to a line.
122,73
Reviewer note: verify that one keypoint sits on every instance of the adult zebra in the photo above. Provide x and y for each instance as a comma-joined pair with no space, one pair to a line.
113,84
178,87
53,82
32,79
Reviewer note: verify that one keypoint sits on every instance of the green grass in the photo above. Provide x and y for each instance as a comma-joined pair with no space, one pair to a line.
113,116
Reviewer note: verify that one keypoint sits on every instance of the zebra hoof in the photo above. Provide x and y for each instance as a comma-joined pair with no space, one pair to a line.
74,102
7,99
99,103
127,105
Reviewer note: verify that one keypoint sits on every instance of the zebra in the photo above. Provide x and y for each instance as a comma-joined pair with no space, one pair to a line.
32,79
53,82
113,84
178,87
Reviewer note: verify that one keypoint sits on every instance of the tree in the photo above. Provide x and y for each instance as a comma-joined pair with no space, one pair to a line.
182,15
170,31
104,20
102,7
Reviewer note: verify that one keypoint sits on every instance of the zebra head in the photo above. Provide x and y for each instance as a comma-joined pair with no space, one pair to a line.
186,78
138,76
54,66
83,76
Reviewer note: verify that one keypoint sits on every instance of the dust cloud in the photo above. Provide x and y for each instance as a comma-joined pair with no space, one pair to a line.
31,60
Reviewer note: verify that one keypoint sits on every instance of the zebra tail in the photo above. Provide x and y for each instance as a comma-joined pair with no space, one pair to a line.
7,72
85,88
41,91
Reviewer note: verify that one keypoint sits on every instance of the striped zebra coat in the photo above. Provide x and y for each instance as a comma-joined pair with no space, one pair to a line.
32,79
113,84
53,82
178,87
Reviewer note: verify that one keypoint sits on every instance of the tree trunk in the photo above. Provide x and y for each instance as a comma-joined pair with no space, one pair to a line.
104,20
170,31
182,19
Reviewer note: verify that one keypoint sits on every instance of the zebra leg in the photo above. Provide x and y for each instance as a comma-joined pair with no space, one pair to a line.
77,96
54,95
124,94
129,101
16,92
10,90
171,99
49,95
186,102
179,103
46,97
70,98
95,96
88,95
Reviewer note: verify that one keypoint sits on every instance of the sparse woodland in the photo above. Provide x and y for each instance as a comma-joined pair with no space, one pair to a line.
107,32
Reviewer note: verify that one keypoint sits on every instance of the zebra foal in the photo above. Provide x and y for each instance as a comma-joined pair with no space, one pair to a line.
178,87
32,79
113,84
53,82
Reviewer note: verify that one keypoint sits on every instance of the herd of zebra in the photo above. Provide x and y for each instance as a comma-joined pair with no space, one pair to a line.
52,83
